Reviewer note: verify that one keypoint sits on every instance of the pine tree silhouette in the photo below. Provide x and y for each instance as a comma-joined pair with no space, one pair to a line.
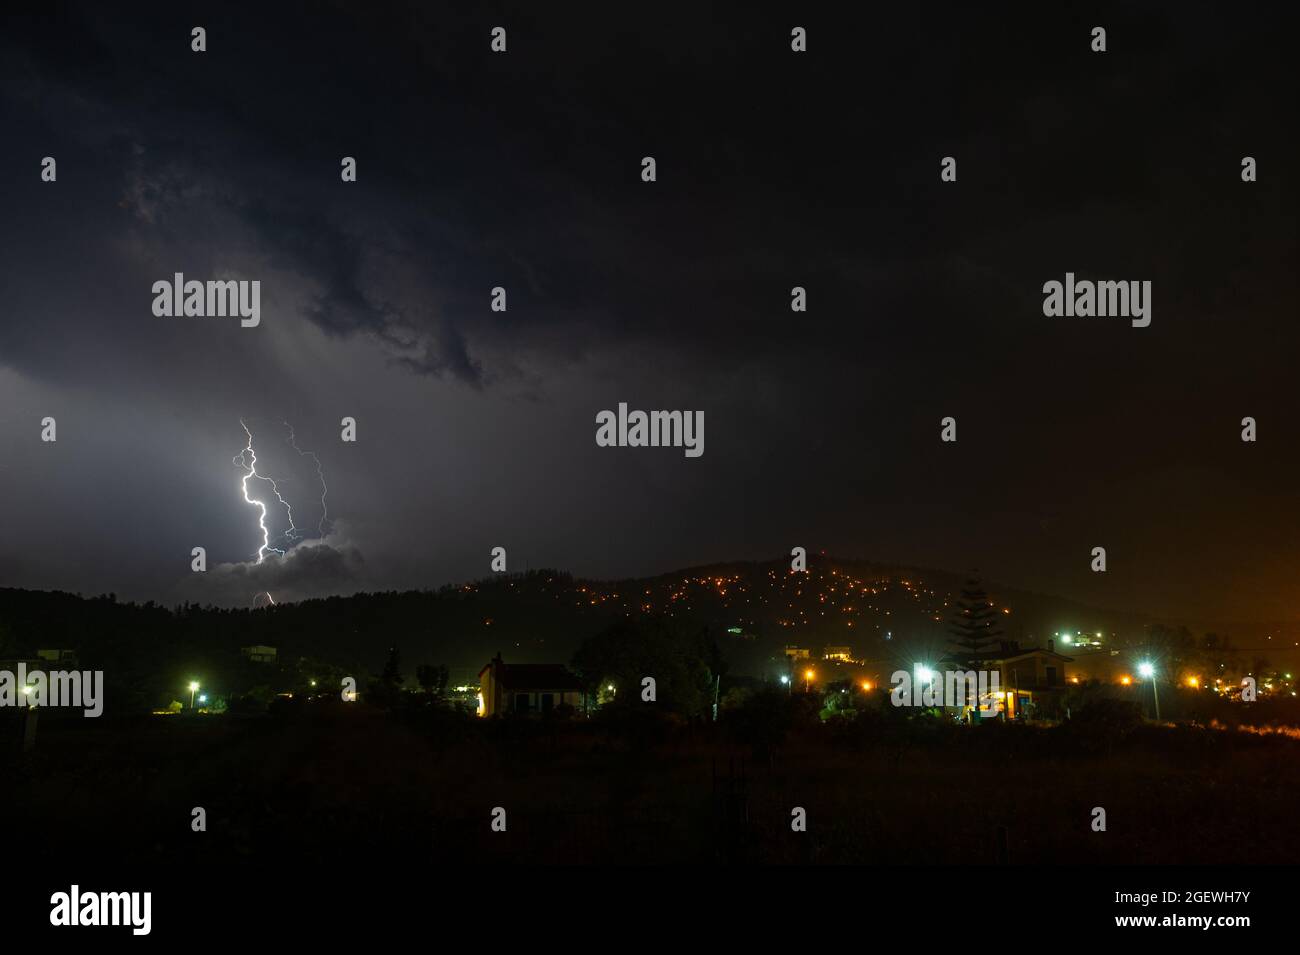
975,628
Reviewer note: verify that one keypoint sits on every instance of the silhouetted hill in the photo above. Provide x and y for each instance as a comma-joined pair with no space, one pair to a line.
754,609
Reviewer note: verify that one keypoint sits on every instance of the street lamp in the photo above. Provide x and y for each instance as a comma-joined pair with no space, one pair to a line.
1148,671
924,677
807,680
193,689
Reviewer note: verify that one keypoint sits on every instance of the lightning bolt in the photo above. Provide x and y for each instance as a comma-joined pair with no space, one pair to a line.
320,473
247,458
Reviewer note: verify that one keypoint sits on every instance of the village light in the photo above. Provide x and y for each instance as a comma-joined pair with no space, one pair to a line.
193,687
1146,670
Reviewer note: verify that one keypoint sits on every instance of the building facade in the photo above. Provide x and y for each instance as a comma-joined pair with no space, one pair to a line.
528,688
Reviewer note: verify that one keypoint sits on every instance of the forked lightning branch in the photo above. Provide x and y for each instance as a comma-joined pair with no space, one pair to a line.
246,460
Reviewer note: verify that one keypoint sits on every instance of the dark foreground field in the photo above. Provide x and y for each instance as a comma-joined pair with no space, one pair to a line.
349,784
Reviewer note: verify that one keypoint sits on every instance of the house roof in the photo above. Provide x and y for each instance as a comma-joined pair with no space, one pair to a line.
534,676
1006,656
1037,652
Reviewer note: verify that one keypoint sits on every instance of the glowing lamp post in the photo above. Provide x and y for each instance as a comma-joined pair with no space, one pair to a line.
1148,672
194,687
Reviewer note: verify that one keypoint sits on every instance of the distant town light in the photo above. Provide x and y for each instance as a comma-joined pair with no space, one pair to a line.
1146,670
784,678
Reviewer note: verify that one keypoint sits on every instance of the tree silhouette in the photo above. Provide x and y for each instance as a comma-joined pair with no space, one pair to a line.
974,627
392,675
432,679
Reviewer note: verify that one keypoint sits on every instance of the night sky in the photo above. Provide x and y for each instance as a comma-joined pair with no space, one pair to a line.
775,169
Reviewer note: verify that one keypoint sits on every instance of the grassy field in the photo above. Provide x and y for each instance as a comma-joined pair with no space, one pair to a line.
353,784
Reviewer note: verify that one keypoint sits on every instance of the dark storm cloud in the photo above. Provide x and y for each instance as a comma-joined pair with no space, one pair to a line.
308,570
775,170
480,182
